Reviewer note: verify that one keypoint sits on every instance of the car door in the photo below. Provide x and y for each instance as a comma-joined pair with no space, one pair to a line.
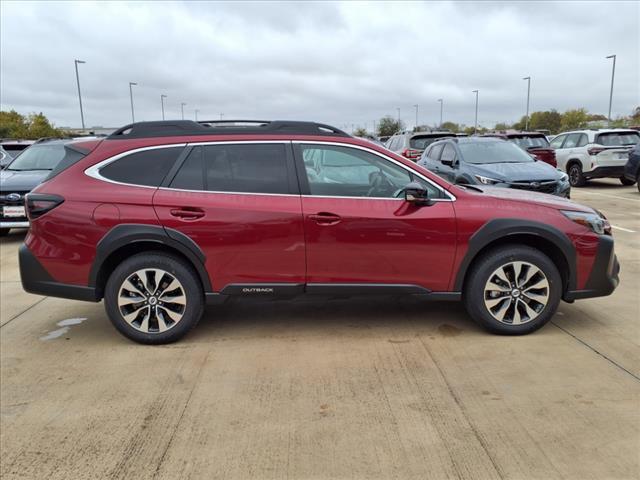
360,234
431,159
561,155
448,163
239,202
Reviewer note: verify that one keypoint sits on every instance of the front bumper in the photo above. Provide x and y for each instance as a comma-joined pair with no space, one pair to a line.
35,279
604,172
604,276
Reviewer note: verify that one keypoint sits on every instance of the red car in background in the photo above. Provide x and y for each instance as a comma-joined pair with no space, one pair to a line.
160,218
535,143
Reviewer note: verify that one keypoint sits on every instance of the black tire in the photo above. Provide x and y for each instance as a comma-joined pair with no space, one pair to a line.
474,290
4,232
189,283
626,182
638,182
576,177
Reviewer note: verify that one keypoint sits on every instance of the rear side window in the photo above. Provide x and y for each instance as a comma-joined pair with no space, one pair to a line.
618,139
191,173
147,168
246,168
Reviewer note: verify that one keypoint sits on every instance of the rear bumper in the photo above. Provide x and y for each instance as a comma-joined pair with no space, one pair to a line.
604,276
19,224
602,172
35,279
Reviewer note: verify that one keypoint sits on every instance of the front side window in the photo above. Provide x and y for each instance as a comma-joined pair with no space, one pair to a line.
246,168
349,172
147,168
448,153
557,142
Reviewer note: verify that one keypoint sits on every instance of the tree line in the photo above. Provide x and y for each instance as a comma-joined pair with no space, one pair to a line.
29,127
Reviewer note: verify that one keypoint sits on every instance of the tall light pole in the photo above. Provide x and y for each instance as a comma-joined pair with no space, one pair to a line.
526,122
221,115
398,117
76,62
441,103
182,109
131,84
613,73
162,97
416,107
197,114
475,125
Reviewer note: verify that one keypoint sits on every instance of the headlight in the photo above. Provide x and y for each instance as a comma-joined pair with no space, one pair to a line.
487,180
563,176
593,221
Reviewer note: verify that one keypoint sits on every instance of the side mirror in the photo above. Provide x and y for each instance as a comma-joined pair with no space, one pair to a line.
416,194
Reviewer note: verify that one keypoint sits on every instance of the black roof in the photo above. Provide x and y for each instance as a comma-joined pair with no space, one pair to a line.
170,128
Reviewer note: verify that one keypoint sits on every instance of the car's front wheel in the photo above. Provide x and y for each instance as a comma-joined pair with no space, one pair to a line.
513,290
154,298
576,177
625,181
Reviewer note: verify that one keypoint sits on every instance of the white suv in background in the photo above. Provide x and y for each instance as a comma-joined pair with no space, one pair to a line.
586,154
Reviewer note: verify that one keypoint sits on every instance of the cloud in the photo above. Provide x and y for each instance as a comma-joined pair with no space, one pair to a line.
340,63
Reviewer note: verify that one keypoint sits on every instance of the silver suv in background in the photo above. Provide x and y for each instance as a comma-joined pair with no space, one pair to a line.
411,144
586,154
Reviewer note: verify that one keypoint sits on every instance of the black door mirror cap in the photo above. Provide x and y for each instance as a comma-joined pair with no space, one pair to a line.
416,194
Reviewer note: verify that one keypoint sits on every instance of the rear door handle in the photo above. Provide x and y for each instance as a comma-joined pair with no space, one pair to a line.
188,213
325,218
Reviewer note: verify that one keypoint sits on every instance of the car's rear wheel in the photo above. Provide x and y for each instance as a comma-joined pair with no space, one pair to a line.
4,232
625,181
576,177
513,290
154,298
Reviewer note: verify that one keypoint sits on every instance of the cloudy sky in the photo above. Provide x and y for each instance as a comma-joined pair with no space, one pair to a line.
339,63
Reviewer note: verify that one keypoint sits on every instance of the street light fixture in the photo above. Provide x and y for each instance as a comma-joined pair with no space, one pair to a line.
162,97
526,122
182,109
131,84
613,73
441,103
475,125
76,62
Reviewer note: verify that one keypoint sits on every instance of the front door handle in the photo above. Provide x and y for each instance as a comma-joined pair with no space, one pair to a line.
188,213
325,218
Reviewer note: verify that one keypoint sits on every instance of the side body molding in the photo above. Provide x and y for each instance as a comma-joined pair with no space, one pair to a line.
126,234
502,228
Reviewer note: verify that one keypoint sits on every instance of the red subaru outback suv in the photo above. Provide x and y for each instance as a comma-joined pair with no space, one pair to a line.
162,217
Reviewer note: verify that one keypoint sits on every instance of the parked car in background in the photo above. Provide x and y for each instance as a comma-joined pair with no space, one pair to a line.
5,158
24,173
15,147
632,168
383,139
535,143
162,217
411,144
598,153
493,161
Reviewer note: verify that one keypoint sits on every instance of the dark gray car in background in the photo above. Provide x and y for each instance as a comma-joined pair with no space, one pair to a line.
493,161
25,172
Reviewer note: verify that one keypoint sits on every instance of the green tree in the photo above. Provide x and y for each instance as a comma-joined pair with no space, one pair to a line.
502,126
36,125
572,119
548,120
387,126
360,132
454,127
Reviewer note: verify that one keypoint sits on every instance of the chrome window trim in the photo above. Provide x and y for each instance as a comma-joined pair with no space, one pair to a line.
451,196
94,170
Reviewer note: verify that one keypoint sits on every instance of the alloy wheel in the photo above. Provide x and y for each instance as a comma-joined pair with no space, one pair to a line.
152,300
516,293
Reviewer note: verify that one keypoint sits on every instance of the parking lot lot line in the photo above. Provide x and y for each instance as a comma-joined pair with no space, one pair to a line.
623,229
628,199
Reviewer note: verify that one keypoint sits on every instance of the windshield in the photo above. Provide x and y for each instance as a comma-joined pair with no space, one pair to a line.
617,139
530,142
493,152
421,143
38,157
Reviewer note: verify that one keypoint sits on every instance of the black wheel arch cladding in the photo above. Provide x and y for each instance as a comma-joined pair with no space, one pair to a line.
503,228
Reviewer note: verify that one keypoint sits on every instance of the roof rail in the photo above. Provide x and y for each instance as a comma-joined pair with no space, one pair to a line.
224,127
